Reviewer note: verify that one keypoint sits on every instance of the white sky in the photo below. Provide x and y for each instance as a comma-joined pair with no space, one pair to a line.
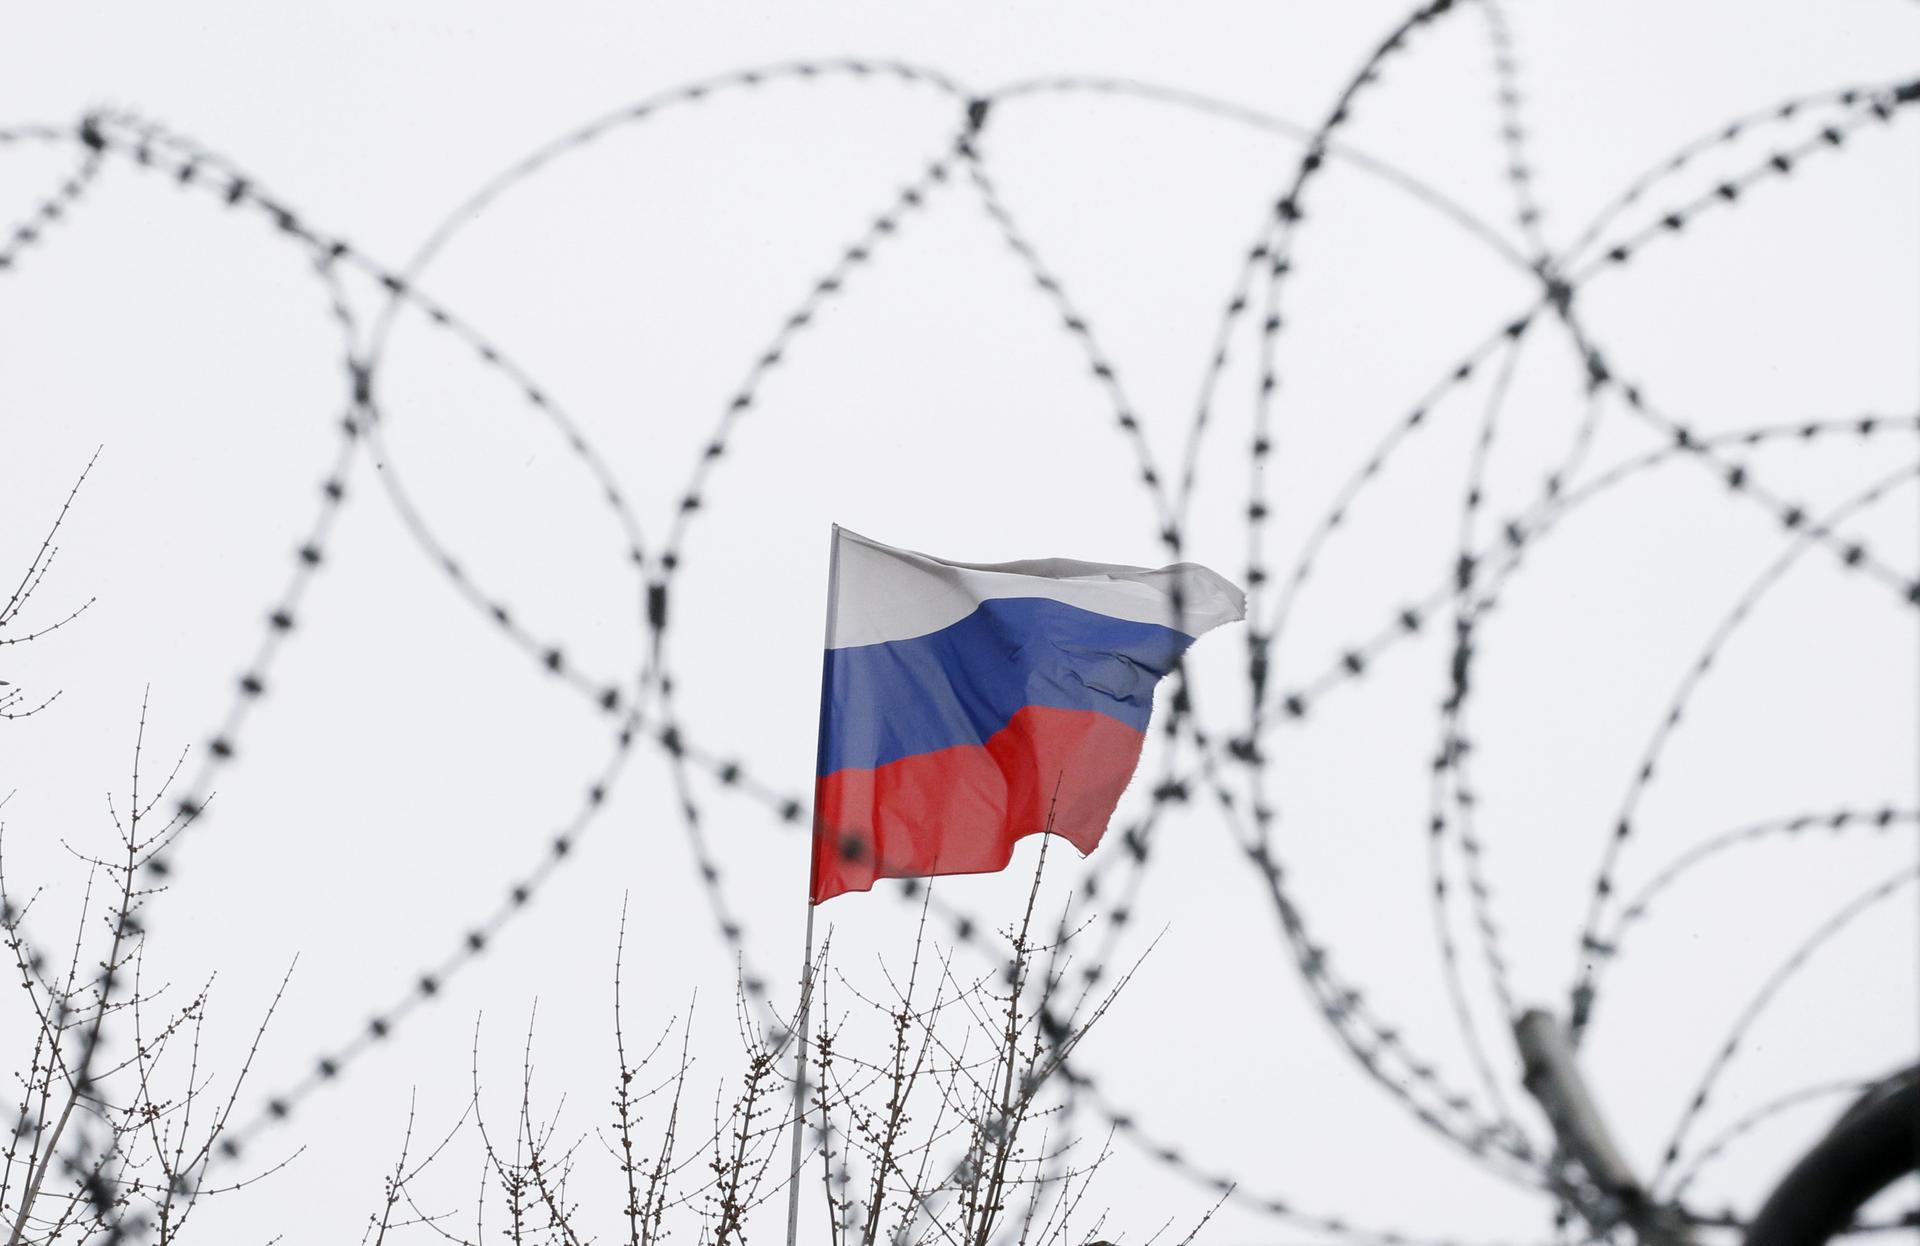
408,764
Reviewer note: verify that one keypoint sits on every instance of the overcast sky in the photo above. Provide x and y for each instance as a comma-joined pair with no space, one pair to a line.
409,763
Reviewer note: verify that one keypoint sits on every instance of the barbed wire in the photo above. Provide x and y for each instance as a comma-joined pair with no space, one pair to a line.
1635,909
52,208
640,705
1686,1174
1798,959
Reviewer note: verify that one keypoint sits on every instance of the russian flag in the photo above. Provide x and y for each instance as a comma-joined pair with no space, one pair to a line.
960,701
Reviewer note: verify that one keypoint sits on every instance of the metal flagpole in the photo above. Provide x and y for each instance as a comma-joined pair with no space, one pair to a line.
806,970
800,1087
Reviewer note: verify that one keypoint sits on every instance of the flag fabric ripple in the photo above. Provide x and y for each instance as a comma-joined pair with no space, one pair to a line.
962,701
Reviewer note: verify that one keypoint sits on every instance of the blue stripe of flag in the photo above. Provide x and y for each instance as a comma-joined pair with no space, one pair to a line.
961,684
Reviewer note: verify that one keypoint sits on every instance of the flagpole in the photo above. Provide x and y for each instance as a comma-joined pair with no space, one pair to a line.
800,1086
813,869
